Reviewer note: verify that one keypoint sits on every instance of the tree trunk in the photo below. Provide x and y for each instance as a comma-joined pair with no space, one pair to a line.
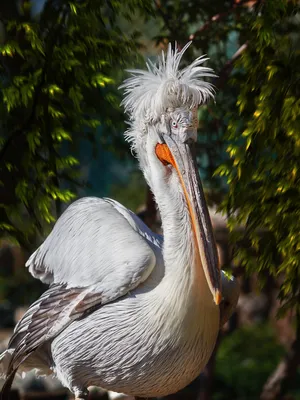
284,376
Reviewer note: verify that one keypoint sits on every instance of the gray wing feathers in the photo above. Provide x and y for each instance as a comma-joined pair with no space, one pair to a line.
93,255
93,245
50,314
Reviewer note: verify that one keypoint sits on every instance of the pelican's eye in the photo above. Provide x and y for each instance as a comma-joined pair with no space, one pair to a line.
174,124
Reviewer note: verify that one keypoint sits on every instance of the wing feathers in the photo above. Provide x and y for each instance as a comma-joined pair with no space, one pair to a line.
86,305
93,245
55,309
94,255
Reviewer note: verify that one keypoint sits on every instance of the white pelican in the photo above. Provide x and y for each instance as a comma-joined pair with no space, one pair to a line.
127,309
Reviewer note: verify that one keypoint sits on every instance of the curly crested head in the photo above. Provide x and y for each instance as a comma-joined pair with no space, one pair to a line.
149,94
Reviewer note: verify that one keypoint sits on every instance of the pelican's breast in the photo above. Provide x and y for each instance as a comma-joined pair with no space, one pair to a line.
136,343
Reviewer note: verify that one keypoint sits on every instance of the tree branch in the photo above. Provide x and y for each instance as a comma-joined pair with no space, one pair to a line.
280,380
220,16
163,14
285,374
167,21
228,67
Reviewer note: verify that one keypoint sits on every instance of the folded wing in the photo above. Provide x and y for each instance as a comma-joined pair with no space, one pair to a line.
93,245
97,252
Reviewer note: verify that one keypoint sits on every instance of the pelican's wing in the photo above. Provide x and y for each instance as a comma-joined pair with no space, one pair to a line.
96,252
96,244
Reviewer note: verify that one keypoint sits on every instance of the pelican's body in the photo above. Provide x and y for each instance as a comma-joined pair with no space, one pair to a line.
128,310
150,342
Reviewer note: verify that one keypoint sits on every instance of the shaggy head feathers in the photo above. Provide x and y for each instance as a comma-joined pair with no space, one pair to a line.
150,93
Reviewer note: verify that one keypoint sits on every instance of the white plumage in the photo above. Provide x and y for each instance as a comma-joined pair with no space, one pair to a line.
127,309
149,93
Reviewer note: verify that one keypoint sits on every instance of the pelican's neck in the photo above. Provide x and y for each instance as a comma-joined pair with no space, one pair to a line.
183,268
181,257
184,285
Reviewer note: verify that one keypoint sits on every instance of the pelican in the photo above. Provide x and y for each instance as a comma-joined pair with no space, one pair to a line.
127,309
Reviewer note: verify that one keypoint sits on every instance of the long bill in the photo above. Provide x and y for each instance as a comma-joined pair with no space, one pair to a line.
179,155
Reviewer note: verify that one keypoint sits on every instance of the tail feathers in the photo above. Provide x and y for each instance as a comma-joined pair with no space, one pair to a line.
5,391
7,372
9,367
5,359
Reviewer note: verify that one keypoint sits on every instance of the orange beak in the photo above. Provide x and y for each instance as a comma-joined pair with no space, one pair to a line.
180,157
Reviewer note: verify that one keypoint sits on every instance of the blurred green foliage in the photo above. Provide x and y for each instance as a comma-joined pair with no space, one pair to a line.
19,289
56,76
131,193
263,137
244,361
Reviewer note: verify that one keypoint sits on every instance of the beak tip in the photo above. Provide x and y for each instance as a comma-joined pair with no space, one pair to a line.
218,297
